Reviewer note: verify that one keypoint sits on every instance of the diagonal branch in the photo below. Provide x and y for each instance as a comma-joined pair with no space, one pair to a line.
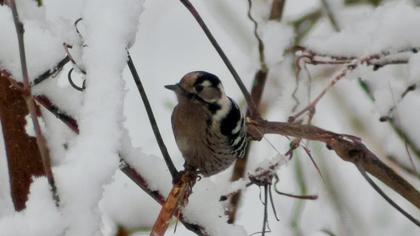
251,105
380,192
40,139
158,136
52,71
349,148
330,15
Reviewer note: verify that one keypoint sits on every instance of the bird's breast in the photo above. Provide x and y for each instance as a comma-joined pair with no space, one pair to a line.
189,122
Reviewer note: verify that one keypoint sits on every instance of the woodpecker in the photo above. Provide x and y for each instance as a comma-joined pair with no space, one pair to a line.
208,126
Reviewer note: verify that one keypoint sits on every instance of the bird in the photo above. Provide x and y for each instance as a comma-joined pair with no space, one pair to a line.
208,126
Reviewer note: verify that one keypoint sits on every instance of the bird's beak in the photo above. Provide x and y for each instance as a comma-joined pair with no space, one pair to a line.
172,87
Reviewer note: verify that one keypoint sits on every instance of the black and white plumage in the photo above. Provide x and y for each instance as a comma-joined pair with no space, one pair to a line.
209,127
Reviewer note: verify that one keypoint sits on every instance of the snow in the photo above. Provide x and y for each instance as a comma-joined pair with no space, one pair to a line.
373,32
29,221
29,129
101,115
277,37
158,177
271,165
414,69
211,214
43,47
126,204
96,197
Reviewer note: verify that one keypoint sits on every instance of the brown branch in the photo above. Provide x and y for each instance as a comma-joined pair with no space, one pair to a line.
47,74
277,7
349,148
27,95
257,90
156,195
407,168
57,112
174,202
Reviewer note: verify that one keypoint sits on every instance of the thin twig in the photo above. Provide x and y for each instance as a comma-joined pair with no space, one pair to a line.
158,136
311,106
51,72
263,65
40,139
389,200
270,192
251,105
376,60
308,152
265,217
57,112
397,129
330,15
303,197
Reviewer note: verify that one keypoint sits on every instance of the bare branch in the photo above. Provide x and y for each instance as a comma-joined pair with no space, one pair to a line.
349,148
251,105
263,65
174,202
158,136
54,70
377,60
40,139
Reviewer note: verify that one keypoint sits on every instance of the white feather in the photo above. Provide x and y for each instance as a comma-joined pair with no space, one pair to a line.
225,105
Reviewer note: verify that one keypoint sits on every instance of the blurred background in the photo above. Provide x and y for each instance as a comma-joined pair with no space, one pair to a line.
170,44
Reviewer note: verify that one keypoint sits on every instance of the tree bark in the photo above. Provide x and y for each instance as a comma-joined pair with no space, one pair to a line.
23,158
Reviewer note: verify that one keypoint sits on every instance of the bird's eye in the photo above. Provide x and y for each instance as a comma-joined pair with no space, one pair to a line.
198,88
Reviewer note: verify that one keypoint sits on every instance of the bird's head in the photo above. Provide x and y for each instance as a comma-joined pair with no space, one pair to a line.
199,85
